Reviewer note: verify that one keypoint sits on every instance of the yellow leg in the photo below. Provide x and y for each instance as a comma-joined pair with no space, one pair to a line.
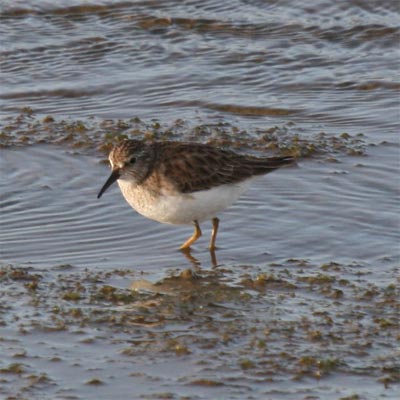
215,224
193,238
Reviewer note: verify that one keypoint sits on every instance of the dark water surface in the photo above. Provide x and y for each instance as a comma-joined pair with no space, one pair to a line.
329,65
302,299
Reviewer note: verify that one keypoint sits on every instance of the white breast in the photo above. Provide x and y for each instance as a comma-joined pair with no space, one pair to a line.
182,208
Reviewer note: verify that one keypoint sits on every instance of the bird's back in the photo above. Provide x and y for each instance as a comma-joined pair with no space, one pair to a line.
193,167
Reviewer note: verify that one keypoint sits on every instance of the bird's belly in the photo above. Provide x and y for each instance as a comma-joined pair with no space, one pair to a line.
182,208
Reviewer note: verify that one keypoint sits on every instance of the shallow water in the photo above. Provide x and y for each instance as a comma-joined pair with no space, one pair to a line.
317,211
302,299
324,235
328,65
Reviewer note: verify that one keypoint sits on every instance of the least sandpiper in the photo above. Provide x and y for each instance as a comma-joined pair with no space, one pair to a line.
184,183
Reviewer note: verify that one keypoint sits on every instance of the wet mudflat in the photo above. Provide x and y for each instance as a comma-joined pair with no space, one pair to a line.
294,302
237,331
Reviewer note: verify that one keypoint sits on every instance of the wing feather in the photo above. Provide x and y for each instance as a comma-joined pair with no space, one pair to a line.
193,167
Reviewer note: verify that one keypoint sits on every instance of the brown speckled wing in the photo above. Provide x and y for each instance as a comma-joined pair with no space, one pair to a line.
193,167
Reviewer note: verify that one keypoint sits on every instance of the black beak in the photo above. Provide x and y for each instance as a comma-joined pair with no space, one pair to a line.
112,178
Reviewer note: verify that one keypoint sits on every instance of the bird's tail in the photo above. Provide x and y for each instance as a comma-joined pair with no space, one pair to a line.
266,165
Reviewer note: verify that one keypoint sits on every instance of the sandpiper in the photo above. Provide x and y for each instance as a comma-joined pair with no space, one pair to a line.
184,183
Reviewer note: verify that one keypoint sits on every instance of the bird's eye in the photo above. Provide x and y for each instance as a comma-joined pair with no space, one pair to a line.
132,160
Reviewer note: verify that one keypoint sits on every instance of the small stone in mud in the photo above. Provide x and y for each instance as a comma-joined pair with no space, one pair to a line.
181,350
95,381
48,119
14,368
206,382
187,274
32,285
246,364
72,296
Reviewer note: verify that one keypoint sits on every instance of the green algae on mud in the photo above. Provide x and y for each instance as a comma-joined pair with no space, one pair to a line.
283,324
100,135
